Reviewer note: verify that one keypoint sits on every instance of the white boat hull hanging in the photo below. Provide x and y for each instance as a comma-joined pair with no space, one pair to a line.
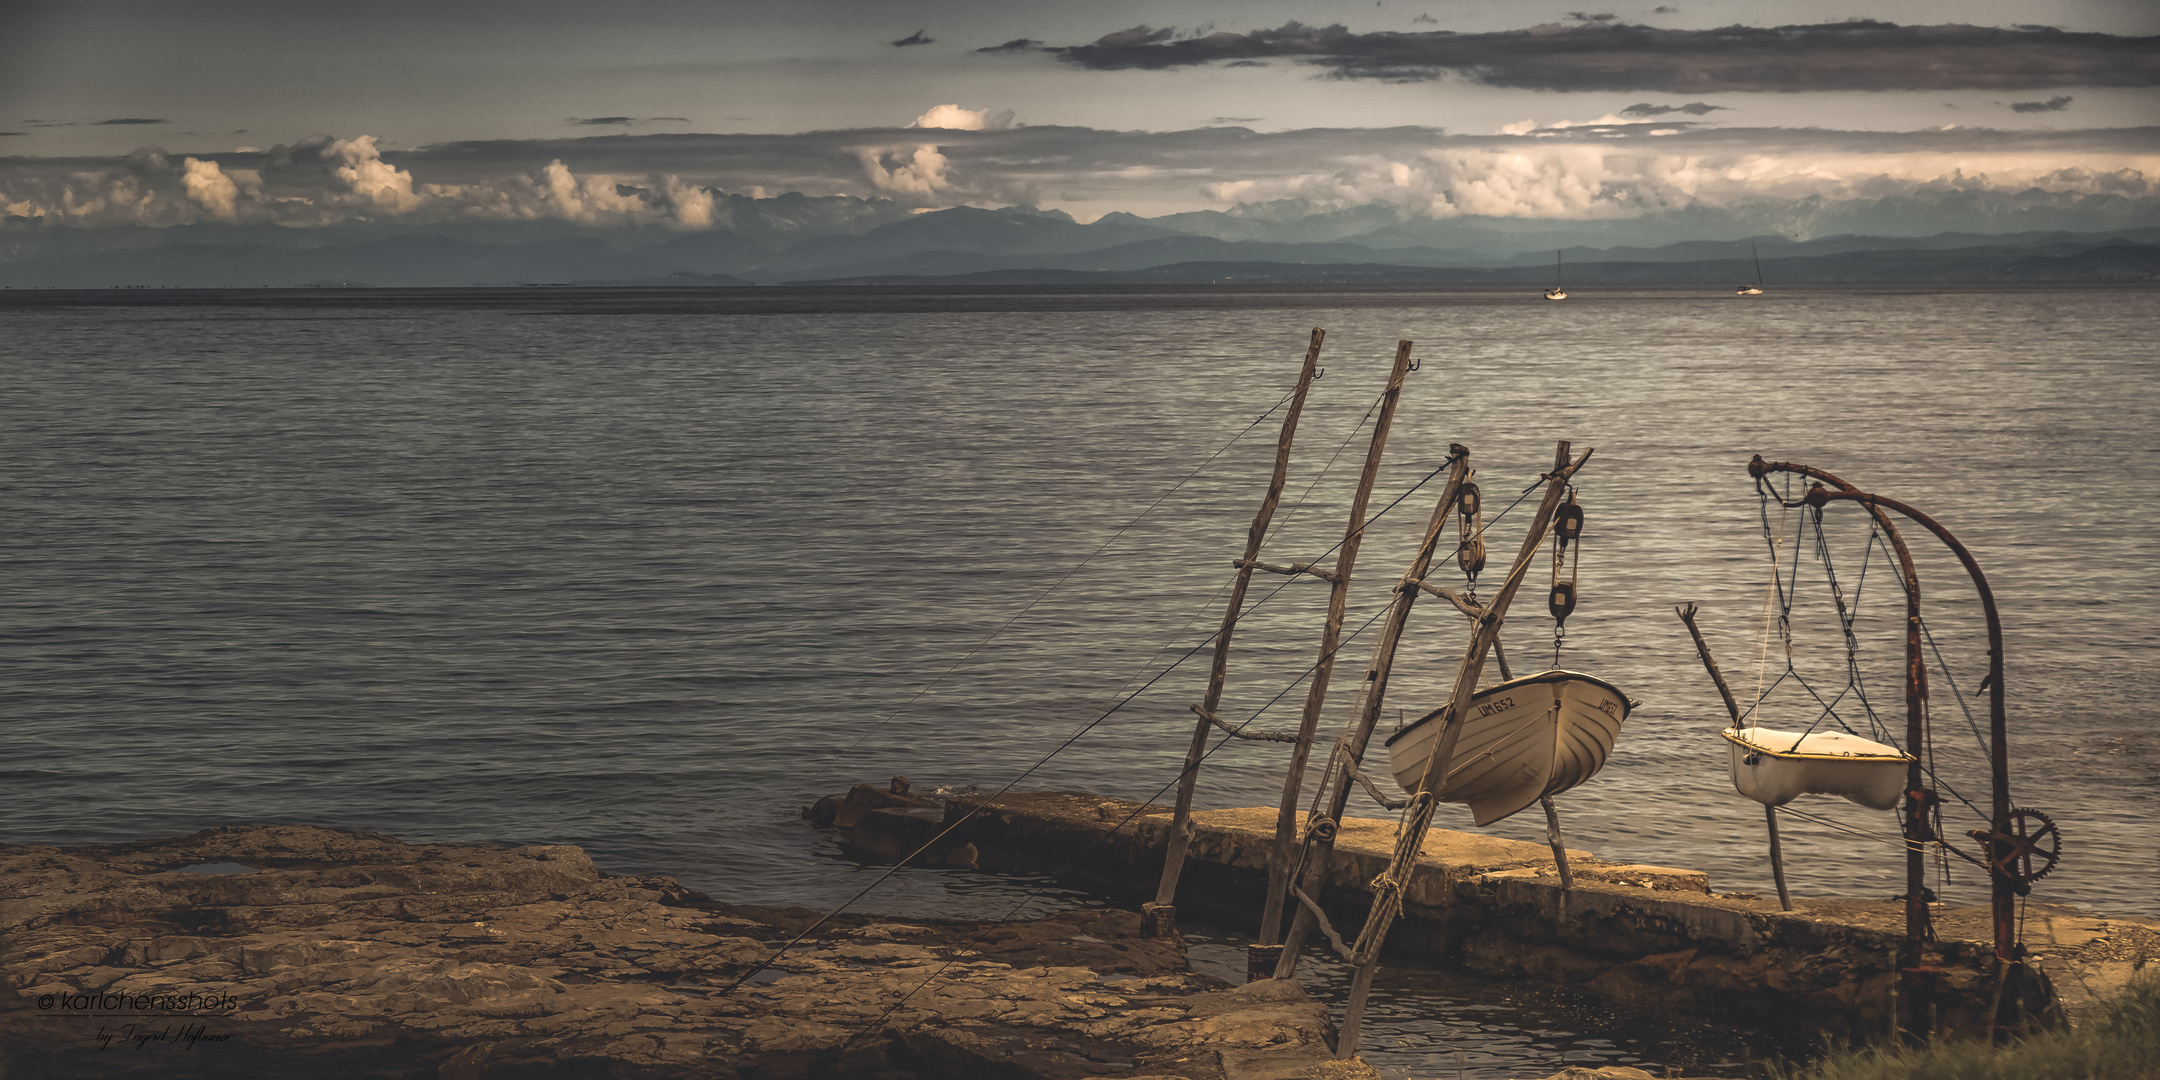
1523,740
1776,767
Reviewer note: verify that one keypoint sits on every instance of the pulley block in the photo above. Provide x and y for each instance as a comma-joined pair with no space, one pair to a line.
1466,501
1471,555
1562,600
1567,523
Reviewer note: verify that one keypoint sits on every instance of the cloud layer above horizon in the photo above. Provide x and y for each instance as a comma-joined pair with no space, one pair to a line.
1616,166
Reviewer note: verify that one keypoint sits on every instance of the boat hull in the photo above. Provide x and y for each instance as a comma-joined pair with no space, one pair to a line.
1776,767
1523,740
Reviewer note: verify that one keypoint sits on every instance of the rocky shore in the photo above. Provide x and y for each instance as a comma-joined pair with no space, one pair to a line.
289,951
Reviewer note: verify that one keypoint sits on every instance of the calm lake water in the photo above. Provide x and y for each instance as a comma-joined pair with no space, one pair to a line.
648,571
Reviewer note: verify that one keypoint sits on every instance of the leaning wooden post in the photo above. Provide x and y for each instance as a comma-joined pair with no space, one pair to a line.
1407,845
1336,783
1732,706
1286,820
1559,845
1181,819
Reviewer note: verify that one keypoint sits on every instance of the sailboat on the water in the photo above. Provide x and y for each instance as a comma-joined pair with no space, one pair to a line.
1756,288
1559,289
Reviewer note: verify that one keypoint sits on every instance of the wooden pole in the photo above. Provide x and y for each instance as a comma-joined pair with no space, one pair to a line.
1429,785
1336,784
1181,819
1732,706
1286,820
1559,846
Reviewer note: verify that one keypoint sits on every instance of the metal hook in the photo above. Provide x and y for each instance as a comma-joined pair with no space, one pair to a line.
1415,364
1317,373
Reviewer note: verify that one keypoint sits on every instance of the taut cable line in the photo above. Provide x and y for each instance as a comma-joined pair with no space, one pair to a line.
1077,567
1045,759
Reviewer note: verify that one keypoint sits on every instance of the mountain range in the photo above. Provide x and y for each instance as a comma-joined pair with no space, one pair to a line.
797,239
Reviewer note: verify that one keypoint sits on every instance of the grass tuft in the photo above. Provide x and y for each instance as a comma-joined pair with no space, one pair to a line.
2121,1043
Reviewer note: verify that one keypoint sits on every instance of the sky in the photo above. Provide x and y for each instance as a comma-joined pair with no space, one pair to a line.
645,111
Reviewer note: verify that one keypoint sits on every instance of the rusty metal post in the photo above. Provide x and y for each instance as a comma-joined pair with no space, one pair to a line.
2003,890
1918,989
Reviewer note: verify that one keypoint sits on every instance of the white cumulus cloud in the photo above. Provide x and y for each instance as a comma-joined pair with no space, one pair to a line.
955,118
211,189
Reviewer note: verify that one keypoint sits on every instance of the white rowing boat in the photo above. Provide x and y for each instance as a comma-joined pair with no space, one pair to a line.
1523,740
1776,767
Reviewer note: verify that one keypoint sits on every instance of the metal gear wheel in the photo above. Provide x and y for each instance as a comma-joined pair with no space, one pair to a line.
2031,846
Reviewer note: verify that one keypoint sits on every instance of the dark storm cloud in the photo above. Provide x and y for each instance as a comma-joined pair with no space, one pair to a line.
2056,104
1858,55
131,120
1692,108
1015,45
917,38
603,120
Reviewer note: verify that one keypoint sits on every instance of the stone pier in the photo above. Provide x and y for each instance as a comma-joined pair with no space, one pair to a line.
1657,938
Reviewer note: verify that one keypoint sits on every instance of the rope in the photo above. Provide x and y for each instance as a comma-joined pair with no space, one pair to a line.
1031,897
1075,737
1956,693
1846,617
1061,747
1283,522
1077,567
1038,891
1900,842
1773,593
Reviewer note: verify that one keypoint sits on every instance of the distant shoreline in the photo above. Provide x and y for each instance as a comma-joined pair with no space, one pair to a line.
948,297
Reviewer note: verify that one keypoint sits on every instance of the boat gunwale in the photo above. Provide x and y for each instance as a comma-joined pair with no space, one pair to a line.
1549,675
1793,755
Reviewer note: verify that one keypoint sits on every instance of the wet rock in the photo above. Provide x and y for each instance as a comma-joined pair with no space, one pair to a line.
353,954
843,811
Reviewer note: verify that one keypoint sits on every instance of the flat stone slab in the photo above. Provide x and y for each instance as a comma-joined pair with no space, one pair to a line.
311,952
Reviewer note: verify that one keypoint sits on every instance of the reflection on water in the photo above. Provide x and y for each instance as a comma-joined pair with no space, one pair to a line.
649,573
1427,1023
